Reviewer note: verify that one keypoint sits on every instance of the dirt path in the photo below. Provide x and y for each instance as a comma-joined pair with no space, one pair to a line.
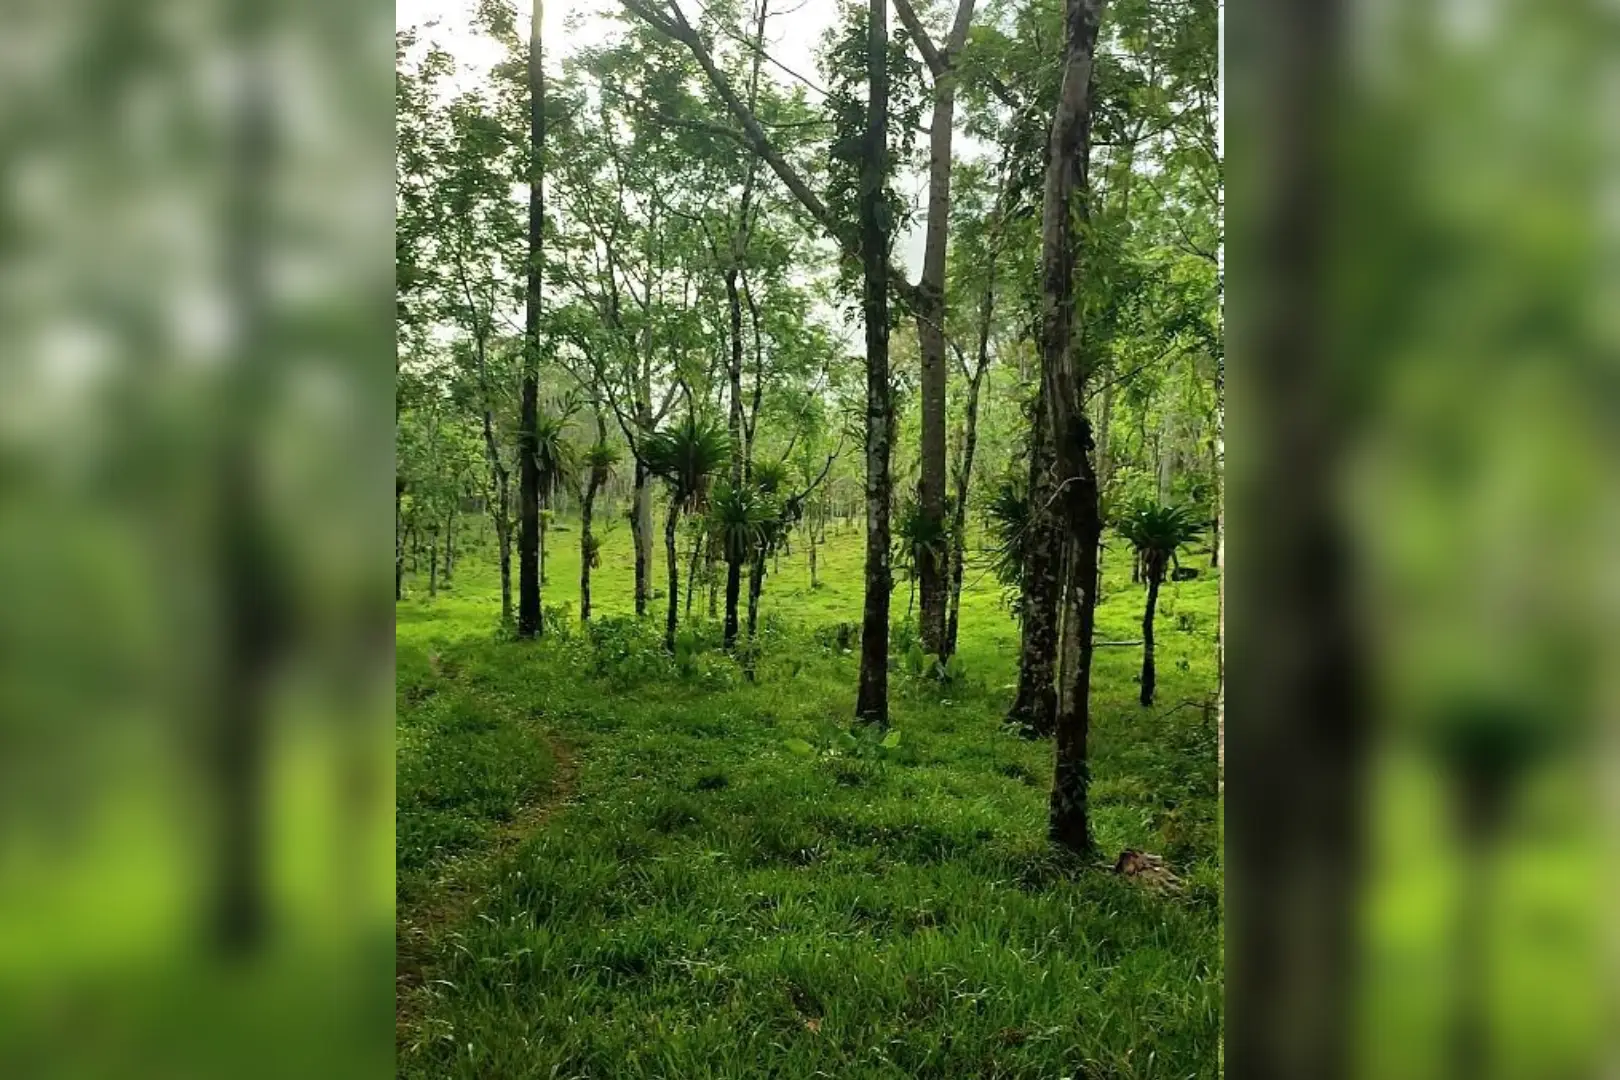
420,930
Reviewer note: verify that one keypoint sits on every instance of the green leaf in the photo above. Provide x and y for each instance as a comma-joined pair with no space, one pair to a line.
800,747
891,741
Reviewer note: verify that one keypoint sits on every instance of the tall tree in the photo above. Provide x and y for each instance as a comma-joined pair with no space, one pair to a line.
930,311
1062,377
872,700
528,467
1035,704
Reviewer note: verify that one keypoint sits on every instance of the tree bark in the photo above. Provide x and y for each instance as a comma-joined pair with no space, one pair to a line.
1155,575
756,585
692,572
433,563
872,700
733,589
1034,708
528,469
399,540
449,548
734,424
930,315
1063,379
587,510
814,584
670,524
964,476
641,534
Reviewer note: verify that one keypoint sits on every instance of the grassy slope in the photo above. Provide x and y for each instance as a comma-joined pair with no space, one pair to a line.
710,902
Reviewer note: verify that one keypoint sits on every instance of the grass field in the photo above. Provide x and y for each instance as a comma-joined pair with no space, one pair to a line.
614,863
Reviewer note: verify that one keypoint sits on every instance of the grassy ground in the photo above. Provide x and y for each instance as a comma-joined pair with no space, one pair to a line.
613,863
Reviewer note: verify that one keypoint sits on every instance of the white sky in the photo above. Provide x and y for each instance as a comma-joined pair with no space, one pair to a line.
791,39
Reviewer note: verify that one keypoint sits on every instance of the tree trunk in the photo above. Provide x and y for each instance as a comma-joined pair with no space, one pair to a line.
433,564
733,588
641,534
1068,654
529,470
872,700
1155,575
1034,708
930,315
814,584
756,585
399,541
692,572
1063,379
734,366
670,524
964,476
587,510
449,548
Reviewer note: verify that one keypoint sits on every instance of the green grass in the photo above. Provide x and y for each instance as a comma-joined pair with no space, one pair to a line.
726,885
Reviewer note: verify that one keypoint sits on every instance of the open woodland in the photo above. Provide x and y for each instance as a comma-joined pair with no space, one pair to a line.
807,541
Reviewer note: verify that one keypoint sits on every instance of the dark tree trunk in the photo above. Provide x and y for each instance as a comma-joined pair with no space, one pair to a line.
1155,574
670,524
814,584
756,585
1034,708
586,512
1068,625
872,701
733,589
1063,379
640,521
1299,821
433,564
528,469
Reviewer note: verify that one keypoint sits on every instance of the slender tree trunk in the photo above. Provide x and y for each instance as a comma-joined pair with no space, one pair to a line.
449,548
1155,575
670,524
756,586
1063,378
433,564
964,476
733,589
930,315
641,533
587,511
692,572
872,700
399,541
1034,708
814,584
528,469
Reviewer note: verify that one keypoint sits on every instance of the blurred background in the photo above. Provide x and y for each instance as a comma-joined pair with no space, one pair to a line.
1423,508
196,838
1424,314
